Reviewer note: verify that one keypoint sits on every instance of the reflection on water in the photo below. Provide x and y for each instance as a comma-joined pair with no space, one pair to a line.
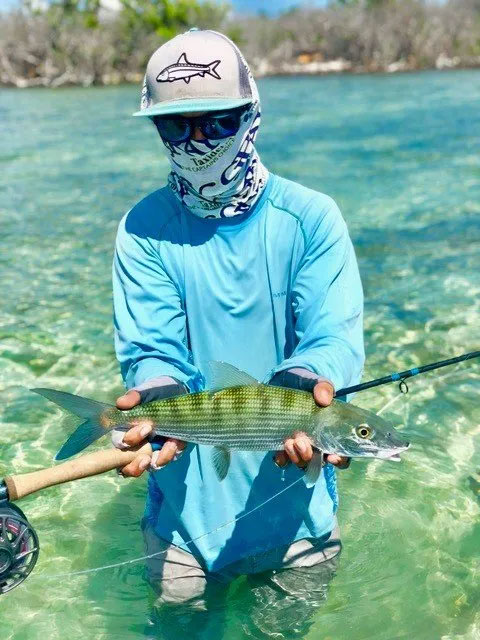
400,155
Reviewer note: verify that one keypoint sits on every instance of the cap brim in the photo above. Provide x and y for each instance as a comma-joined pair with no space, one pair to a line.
193,105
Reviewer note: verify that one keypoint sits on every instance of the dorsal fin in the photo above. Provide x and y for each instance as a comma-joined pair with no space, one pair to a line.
182,59
221,375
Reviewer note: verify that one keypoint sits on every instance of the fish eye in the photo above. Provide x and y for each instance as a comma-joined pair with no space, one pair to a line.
363,431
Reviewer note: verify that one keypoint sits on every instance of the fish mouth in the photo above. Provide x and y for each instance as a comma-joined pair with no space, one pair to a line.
393,455
394,458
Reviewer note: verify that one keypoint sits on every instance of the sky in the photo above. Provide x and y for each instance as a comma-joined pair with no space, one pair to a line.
271,7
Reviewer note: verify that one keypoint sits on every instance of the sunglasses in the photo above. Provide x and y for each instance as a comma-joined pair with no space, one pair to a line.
214,125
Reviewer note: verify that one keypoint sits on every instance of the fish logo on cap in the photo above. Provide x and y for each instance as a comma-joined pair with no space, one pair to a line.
185,70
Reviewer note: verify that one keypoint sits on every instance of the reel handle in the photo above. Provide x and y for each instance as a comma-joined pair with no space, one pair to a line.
86,466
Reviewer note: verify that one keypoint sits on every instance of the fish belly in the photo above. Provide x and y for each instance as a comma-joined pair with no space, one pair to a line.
184,72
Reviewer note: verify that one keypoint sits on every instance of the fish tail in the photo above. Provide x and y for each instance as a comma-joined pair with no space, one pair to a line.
95,425
211,69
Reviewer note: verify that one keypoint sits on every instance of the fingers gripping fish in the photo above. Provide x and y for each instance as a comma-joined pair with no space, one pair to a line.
239,413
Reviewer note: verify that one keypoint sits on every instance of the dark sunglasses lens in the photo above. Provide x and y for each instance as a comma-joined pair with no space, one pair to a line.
173,129
221,126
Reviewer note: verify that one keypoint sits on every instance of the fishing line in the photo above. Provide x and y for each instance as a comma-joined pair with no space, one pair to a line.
395,377
159,553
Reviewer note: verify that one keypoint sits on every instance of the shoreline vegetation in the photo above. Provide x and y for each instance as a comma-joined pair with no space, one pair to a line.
108,42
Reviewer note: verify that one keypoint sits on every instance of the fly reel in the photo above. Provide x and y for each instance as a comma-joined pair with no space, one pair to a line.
19,546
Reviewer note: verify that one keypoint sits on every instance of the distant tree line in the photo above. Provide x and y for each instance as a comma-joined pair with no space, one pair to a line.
86,42
368,35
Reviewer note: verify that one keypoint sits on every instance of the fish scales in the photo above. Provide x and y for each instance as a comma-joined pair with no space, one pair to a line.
248,417
243,415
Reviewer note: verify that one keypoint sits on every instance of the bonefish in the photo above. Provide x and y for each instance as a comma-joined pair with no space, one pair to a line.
239,413
185,70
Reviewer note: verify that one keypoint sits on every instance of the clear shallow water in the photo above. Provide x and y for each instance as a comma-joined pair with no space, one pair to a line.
400,155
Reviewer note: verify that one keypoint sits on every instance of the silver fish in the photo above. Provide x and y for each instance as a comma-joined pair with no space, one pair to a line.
239,413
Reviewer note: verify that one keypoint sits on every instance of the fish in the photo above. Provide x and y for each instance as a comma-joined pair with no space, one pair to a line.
239,413
185,70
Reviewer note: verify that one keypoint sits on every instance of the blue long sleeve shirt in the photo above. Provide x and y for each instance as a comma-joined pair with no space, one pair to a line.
275,289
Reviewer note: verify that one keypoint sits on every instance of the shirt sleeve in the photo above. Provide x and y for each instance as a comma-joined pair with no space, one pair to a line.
149,317
327,304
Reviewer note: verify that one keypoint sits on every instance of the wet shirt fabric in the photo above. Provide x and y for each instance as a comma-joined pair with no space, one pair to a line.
275,289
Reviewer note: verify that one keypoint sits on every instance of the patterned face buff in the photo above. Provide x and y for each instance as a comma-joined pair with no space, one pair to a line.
220,178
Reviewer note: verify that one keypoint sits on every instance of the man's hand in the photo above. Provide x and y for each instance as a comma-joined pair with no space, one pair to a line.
298,448
137,435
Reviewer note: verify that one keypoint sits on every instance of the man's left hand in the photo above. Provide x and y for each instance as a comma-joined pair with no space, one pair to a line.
298,448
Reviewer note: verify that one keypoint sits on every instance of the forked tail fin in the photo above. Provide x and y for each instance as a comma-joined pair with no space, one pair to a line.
212,69
88,431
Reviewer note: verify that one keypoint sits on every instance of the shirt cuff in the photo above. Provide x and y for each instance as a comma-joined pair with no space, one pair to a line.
160,381
298,378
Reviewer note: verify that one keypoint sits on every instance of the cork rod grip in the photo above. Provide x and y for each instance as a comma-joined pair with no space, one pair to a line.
91,464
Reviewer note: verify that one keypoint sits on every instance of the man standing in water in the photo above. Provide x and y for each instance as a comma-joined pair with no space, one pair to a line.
230,262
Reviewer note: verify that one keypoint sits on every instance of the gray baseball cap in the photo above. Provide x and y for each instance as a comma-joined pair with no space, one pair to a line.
195,71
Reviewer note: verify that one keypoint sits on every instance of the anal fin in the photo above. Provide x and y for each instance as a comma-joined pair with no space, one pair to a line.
314,469
221,461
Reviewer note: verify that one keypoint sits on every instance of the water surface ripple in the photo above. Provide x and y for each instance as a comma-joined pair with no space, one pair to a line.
400,156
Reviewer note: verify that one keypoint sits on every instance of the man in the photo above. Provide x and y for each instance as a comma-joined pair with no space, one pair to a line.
231,263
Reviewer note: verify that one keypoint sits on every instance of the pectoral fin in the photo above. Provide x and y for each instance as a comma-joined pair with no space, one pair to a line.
314,469
221,461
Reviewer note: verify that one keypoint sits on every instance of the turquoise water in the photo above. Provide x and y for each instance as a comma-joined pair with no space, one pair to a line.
400,155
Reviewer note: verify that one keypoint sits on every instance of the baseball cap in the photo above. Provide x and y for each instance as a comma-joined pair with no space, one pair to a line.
195,71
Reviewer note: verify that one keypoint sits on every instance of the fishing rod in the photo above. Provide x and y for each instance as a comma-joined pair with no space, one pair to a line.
403,375
19,544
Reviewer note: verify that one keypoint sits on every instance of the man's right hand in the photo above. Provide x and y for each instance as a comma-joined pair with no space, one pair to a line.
138,434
